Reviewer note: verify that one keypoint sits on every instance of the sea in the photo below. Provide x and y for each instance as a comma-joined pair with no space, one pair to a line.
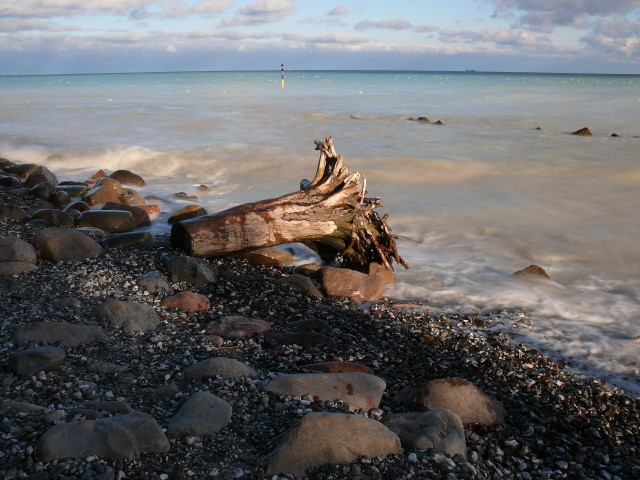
502,184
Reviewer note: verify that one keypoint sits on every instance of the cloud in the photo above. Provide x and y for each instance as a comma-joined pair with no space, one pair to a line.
339,10
23,25
70,8
546,14
616,38
260,12
393,24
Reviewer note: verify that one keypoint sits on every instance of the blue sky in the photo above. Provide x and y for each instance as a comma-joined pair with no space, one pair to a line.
81,36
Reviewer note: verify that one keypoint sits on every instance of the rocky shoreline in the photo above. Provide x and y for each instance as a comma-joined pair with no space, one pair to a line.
138,362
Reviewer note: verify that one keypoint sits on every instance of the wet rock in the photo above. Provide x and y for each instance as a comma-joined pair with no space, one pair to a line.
440,429
78,205
128,240
337,366
358,390
42,190
39,175
132,199
150,209
584,132
271,257
532,271
16,250
219,367
126,177
343,282
109,182
73,189
23,170
58,333
302,283
111,221
14,268
191,270
119,437
307,340
458,395
99,195
187,302
54,217
202,414
154,282
331,438
63,245
190,211
60,198
13,212
140,214
234,326
11,181
130,316
33,360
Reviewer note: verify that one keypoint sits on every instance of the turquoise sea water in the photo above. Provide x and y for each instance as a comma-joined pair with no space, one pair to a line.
472,201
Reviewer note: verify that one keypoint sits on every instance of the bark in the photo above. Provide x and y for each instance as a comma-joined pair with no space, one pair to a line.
329,213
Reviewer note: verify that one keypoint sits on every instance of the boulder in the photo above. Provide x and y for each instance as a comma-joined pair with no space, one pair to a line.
150,209
118,437
191,270
99,195
140,215
222,367
60,334
270,257
458,395
54,217
13,212
111,221
22,170
42,190
63,245
343,282
109,182
202,414
15,268
234,326
358,390
154,282
60,198
126,177
11,181
190,211
31,361
302,283
330,438
386,274
129,239
336,367
130,316
17,250
78,205
187,302
41,174
132,199
73,189
440,429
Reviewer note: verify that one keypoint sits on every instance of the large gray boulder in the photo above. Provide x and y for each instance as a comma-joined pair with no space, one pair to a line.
119,437
34,360
58,333
130,316
17,250
358,390
202,414
191,270
62,245
331,438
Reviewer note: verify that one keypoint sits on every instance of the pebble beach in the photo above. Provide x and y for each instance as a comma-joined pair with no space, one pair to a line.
211,388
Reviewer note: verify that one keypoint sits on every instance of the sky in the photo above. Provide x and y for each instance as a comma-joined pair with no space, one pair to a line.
92,36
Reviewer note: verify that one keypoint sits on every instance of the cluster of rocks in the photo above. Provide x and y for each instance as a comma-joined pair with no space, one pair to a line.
136,362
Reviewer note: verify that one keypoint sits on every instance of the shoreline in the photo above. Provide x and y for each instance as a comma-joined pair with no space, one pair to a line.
558,425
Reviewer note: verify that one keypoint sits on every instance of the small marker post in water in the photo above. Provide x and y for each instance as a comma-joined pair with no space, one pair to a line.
282,76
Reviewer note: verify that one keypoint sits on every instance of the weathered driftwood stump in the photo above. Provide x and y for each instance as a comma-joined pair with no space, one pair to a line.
330,214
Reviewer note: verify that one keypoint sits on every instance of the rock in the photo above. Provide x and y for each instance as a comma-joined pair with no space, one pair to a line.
112,406
60,334
532,271
191,270
67,303
78,205
17,250
12,212
458,395
585,132
99,174
11,406
187,302
310,324
39,175
109,182
358,390
111,221
140,215
129,239
440,429
386,274
11,181
60,198
119,437
154,282
42,190
271,257
34,360
126,177
219,367
330,438
150,209
54,217
132,199
99,195
307,340
23,170
302,283
190,211
635,340
130,316
343,282
73,189
15,268
337,366
63,245
202,414
234,326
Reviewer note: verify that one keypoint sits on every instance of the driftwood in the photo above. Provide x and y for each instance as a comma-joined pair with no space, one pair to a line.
330,214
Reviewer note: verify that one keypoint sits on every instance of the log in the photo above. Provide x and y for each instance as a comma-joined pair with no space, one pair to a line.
330,214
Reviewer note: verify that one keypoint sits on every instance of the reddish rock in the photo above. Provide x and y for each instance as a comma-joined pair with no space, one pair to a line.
136,200
337,366
140,215
111,221
79,205
99,195
271,257
109,182
234,326
190,211
532,271
126,177
99,174
187,302
343,282
386,274
150,209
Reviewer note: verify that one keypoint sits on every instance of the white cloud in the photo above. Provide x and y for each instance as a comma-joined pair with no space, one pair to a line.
393,24
70,8
339,10
260,12
617,38
23,25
